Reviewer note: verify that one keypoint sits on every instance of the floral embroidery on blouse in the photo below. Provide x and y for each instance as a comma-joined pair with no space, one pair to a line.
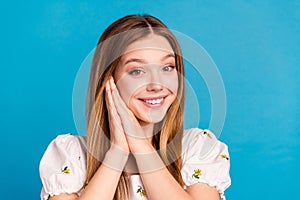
141,191
47,197
224,156
208,134
66,170
197,173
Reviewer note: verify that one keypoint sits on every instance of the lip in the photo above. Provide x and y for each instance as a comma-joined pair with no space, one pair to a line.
150,98
160,101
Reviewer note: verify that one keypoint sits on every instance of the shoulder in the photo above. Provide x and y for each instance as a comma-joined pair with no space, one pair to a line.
68,138
63,147
63,165
205,160
66,144
200,141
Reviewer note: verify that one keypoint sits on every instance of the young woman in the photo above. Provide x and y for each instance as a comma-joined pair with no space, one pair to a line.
136,147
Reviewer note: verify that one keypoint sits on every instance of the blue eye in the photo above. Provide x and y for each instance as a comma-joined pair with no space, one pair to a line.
135,72
168,68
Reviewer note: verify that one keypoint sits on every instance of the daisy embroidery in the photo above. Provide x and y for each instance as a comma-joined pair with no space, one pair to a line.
224,156
141,191
197,173
66,170
208,134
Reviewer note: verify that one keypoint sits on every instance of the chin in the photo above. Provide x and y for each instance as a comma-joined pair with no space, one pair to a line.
152,118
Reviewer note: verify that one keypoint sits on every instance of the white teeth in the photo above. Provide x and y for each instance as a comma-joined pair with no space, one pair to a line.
154,101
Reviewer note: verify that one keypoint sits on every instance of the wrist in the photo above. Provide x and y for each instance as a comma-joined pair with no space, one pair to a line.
142,148
149,162
115,158
119,147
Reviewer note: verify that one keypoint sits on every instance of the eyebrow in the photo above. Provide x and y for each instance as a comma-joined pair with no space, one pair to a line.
142,61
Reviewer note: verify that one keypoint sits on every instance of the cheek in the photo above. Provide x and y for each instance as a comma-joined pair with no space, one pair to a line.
127,87
171,82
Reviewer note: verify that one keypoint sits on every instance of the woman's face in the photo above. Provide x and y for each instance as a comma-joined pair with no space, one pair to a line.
147,78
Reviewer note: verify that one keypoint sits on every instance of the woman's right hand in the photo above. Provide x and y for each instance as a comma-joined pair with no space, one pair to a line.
117,134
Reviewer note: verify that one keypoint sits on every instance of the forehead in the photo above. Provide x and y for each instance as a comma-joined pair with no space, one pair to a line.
150,43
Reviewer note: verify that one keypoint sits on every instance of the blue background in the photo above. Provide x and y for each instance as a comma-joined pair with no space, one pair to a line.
255,45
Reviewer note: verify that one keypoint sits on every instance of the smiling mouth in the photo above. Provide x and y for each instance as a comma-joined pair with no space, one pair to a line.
153,102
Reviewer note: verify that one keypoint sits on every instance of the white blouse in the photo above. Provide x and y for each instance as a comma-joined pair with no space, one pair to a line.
205,160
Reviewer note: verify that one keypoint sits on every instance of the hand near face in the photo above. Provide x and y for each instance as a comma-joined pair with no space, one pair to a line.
117,135
123,122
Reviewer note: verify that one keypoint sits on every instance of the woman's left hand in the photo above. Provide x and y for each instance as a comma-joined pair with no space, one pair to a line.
137,139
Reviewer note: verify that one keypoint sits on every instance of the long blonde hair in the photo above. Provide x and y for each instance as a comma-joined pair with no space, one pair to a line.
111,45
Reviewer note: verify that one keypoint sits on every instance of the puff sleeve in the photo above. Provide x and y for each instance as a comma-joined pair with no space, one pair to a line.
62,167
205,160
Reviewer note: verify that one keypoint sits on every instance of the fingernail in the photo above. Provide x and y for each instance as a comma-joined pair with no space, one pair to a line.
107,86
112,80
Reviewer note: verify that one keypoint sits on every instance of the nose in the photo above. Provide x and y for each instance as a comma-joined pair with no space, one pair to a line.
154,87
154,84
